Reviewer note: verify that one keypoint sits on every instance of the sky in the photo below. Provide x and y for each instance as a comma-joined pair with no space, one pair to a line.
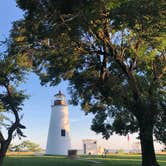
37,108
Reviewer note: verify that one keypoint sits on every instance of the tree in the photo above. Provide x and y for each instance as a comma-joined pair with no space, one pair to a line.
31,146
11,100
27,146
10,148
112,53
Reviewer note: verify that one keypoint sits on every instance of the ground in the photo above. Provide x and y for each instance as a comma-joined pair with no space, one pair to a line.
111,160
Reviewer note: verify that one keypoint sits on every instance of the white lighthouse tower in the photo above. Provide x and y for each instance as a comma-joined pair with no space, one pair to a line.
58,141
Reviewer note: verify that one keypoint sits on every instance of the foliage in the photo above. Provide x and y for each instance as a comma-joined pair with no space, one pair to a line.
25,146
11,99
110,60
112,53
160,128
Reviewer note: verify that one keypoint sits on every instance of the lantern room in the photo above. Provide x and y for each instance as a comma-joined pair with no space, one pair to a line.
60,99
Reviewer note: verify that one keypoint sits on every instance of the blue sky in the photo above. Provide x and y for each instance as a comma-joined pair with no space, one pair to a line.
37,108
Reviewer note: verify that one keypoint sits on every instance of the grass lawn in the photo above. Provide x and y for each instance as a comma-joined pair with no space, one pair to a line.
112,160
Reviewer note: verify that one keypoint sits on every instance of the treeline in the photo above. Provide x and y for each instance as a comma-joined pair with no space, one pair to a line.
25,146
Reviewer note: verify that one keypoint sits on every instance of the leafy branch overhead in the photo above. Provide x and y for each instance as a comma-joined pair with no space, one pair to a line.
112,53
109,54
11,99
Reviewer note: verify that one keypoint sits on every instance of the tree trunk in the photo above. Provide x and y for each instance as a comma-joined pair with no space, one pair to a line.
1,159
3,150
2,154
147,146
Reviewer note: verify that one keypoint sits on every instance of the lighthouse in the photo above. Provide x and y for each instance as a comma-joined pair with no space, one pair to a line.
58,141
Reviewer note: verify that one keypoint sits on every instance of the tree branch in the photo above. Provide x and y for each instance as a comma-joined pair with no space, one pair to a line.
162,74
1,137
15,112
66,18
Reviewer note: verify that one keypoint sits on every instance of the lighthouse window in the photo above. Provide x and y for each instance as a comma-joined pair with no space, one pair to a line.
63,132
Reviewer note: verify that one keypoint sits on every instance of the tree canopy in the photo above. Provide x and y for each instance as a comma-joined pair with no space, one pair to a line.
89,28
12,72
112,53
25,146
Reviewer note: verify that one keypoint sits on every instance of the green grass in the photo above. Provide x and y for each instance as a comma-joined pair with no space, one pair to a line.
114,160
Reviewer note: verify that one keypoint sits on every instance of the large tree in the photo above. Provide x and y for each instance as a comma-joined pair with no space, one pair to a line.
112,53
12,73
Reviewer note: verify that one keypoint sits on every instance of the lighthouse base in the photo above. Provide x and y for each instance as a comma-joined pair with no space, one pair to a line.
59,147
